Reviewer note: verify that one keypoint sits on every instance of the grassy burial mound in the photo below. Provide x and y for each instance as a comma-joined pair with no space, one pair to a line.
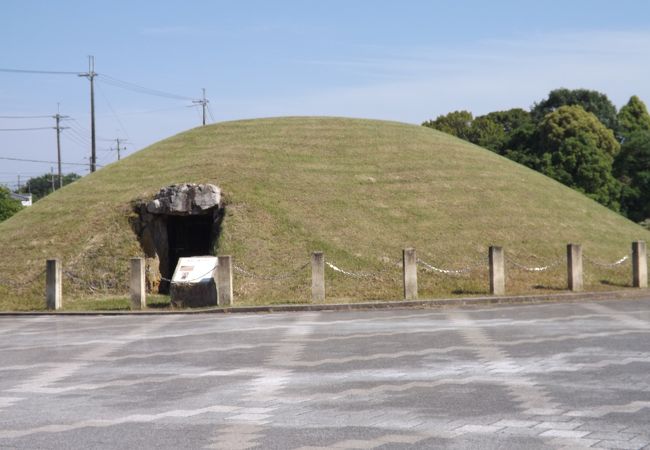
359,190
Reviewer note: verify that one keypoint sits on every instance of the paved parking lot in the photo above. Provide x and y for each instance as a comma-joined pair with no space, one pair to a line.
539,376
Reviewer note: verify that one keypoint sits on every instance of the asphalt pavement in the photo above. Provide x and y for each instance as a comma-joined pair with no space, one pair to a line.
572,375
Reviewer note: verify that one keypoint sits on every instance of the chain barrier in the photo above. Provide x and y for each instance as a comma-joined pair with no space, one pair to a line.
606,265
463,271
536,269
19,285
103,285
352,274
278,277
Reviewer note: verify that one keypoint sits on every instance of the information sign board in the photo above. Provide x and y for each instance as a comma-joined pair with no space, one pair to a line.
195,269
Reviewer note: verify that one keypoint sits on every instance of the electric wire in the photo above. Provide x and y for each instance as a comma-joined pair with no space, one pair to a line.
80,134
42,161
71,138
106,79
26,129
117,118
44,72
26,117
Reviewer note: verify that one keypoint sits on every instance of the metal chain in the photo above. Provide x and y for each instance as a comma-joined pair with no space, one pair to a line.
605,265
278,277
352,274
104,284
433,268
16,285
535,269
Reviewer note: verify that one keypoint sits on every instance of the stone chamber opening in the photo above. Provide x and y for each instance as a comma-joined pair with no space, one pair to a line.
188,236
182,220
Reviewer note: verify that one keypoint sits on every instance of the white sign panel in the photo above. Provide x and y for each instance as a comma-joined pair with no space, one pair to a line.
195,269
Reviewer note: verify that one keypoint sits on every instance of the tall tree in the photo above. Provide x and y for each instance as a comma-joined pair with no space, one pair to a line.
632,167
633,117
8,206
578,150
591,101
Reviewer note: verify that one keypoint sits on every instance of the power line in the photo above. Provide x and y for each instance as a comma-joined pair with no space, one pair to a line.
26,129
151,111
25,117
77,143
85,131
80,134
44,72
140,89
44,162
117,118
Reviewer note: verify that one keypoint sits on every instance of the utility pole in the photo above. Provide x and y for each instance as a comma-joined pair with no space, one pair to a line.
18,190
204,103
58,128
91,74
52,177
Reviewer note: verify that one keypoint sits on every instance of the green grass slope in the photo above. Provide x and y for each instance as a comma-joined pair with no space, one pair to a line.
359,190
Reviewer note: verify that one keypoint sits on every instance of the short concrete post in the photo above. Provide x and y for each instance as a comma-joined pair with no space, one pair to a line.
639,265
53,279
317,277
410,270
574,266
497,271
224,281
138,287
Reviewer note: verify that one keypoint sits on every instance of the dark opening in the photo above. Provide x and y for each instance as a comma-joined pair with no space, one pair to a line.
188,236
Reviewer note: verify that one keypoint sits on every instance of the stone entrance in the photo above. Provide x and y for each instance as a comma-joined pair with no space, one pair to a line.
182,220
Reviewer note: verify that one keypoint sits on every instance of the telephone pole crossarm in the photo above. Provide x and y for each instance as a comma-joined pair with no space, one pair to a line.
204,104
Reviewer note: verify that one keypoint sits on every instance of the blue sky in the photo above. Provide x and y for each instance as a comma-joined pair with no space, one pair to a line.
408,61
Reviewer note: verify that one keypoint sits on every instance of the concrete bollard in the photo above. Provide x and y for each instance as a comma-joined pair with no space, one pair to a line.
639,265
53,279
317,277
137,284
497,271
574,267
410,271
224,281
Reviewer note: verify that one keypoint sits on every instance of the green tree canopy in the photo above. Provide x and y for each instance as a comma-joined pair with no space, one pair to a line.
41,186
592,101
456,123
633,117
511,119
8,206
481,131
632,167
578,150
488,134
510,133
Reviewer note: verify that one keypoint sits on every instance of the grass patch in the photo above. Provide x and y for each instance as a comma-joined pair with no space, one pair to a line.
359,190
112,303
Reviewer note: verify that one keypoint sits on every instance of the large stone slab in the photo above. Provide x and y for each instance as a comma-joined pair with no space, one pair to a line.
185,199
